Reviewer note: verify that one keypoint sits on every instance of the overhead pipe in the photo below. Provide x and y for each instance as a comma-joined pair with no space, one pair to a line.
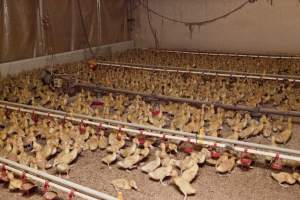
163,133
226,54
203,71
6,165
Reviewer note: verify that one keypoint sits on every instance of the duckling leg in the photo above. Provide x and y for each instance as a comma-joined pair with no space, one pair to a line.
283,185
185,196
162,182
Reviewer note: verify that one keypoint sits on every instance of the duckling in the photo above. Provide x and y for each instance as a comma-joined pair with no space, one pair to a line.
283,177
267,131
144,152
152,165
259,128
199,156
110,158
124,184
67,156
172,147
130,161
93,142
184,186
190,173
14,183
129,150
27,186
296,176
243,123
285,135
102,140
243,134
278,125
186,163
50,195
62,168
225,164
234,135
117,141
162,152
161,173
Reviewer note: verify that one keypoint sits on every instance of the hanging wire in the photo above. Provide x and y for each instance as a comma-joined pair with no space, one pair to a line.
154,32
195,23
84,29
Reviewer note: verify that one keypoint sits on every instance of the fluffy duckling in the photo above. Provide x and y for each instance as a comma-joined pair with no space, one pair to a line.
284,177
284,136
102,140
190,173
14,183
93,142
172,147
161,173
67,156
243,134
152,165
225,163
130,161
50,195
296,176
124,184
199,156
117,141
110,158
144,152
130,150
186,163
62,168
162,153
184,186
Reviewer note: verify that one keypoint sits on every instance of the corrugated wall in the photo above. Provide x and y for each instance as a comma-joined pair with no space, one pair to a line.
31,28
257,28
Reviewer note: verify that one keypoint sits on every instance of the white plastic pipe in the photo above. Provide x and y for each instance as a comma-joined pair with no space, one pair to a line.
57,180
250,147
43,182
61,114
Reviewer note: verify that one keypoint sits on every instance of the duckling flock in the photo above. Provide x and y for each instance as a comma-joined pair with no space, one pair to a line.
54,145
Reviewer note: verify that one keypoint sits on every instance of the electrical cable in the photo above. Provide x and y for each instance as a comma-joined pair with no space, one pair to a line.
154,33
200,22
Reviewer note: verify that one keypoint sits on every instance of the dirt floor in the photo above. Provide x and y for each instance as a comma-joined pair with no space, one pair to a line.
254,184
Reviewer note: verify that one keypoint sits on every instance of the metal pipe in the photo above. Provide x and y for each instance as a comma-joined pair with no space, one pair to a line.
43,181
97,88
203,71
183,136
226,54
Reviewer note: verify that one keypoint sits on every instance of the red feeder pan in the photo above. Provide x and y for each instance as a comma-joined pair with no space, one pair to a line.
155,112
246,162
276,166
142,141
215,154
96,104
188,149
